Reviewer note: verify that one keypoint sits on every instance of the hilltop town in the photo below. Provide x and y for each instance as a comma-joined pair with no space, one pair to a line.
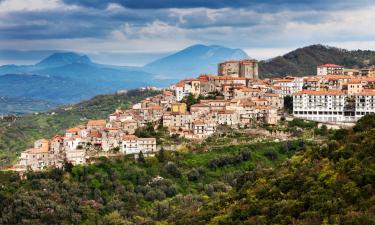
195,109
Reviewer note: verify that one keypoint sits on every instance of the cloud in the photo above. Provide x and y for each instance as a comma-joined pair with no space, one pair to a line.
169,25
216,4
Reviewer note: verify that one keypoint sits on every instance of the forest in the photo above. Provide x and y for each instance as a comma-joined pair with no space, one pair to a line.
270,182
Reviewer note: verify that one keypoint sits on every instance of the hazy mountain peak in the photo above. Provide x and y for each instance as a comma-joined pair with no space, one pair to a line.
64,58
194,60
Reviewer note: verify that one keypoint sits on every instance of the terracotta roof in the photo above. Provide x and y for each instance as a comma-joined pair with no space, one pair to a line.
337,77
355,81
73,130
245,89
130,137
200,105
330,65
96,123
367,92
321,92
312,79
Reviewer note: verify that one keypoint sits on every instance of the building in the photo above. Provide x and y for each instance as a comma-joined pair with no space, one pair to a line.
368,71
330,69
354,86
352,72
239,68
365,103
131,144
333,105
178,107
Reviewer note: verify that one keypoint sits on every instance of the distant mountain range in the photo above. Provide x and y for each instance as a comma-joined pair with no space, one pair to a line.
68,77
303,61
194,60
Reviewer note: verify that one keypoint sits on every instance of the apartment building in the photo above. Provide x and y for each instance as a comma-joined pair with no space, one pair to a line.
324,106
330,69
364,103
131,144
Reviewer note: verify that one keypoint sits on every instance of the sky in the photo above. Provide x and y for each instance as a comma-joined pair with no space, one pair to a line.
147,29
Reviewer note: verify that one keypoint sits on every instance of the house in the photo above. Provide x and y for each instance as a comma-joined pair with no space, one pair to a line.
178,107
330,69
76,156
368,71
131,144
96,124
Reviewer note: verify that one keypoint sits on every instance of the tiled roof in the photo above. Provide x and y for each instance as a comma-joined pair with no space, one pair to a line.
96,123
320,92
330,65
73,130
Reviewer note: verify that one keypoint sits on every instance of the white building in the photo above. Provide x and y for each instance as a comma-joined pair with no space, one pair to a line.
324,106
330,69
131,144
364,103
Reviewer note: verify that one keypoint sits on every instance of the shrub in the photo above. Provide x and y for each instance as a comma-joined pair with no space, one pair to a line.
172,169
193,175
271,155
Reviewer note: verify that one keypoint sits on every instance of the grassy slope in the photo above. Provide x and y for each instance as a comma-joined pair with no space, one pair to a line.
16,136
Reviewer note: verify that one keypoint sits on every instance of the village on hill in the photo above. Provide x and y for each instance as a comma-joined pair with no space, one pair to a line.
195,109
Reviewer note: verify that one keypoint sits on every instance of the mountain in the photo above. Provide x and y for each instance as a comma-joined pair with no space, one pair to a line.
70,77
62,59
303,61
194,60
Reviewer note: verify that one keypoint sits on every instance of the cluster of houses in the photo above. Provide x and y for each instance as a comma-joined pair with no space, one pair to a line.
234,98
336,94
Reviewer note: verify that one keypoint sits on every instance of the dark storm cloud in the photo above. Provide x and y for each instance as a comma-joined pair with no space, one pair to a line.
237,22
216,4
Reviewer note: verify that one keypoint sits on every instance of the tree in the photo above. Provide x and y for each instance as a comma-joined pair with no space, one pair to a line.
323,130
68,166
161,155
365,123
141,158
114,218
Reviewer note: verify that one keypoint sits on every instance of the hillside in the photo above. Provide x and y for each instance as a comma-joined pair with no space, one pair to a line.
194,60
328,184
293,182
22,105
124,191
303,61
16,135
